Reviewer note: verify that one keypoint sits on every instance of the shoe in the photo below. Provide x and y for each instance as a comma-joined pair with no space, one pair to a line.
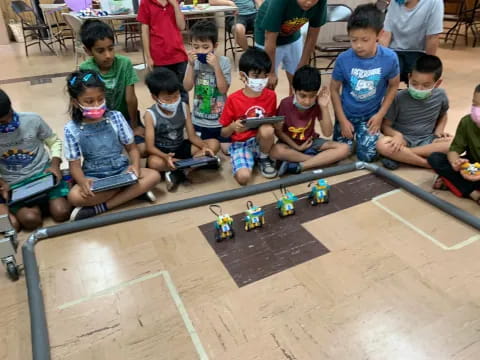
389,163
84,212
288,168
148,196
173,179
266,168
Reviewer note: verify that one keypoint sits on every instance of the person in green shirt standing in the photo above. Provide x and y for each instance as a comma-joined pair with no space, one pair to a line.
277,30
117,72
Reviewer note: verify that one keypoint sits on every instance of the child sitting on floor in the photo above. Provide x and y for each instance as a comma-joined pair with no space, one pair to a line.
414,126
299,146
465,148
165,122
100,136
23,137
117,71
254,100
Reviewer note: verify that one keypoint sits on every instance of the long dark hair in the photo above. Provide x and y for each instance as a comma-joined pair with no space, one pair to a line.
77,83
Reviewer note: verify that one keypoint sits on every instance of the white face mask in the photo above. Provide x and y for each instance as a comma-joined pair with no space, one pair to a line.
170,107
256,85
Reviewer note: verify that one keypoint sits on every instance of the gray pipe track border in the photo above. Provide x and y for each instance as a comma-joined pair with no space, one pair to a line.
38,321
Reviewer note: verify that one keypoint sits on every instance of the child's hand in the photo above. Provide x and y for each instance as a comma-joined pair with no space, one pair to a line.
457,164
150,63
347,129
442,135
305,145
86,188
272,80
171,161
55,171
212,60
206,151
4,189
374,124
239,127
192,56
135,170
396,142
324,97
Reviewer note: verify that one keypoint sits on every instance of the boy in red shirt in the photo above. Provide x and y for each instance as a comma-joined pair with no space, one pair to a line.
254,100
299,146
162,21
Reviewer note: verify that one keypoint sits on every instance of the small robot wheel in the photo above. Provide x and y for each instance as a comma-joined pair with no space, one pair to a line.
12,271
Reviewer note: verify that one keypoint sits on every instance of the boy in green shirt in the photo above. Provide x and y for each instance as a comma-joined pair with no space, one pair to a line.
117,71
464,149
277,30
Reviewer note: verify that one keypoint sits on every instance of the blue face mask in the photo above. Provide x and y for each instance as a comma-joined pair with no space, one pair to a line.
300,106
401,2
11,126
170,107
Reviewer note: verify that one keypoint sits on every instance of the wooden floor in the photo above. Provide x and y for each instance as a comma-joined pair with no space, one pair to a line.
400,279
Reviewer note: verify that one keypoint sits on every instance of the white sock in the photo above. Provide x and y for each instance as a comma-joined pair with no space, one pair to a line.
263,155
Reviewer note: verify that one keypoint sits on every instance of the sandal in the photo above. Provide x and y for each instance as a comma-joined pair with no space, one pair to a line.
439,184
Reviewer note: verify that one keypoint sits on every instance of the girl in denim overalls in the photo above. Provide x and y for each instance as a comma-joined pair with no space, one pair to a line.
99,137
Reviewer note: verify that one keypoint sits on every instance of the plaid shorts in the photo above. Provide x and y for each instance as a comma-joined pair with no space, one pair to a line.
243,154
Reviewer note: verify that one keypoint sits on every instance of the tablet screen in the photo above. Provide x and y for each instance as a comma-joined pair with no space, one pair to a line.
35,187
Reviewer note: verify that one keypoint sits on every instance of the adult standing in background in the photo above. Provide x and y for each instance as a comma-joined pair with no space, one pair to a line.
412,27
277,30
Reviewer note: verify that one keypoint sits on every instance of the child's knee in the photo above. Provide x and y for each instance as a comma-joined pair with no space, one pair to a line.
382,146
60,209
150,176
74,197
344,150
213,144
243,176
276,152
266,131
438,160
30,218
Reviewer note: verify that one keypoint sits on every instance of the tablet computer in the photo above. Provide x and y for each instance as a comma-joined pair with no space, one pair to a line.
253,123
197,162
32,191
114,182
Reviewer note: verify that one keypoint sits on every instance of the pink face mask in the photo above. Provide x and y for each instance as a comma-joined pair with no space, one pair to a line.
475,114
95,112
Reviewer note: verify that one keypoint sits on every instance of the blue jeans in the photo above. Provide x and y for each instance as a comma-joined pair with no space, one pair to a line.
101,150
366,142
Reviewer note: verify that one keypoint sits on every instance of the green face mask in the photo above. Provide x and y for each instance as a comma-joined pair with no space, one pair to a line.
419,94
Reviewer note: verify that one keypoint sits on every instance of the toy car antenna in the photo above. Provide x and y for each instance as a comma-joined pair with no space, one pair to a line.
310,183
211,207
249,204
283,189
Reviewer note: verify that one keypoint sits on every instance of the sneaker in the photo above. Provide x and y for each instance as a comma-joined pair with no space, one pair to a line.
148,196
174,178
266,168
84,212
288,168
390,164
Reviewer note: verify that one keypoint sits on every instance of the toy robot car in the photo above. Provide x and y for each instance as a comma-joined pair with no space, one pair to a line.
223,225
285,204
319,193
254,217
8,247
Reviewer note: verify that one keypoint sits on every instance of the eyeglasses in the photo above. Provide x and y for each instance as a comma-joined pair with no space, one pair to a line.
84,79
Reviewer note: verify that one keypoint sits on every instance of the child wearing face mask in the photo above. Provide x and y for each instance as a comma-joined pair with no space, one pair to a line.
465,148
299,146
414,126
209,76
99,136
24,139
165,122
254,100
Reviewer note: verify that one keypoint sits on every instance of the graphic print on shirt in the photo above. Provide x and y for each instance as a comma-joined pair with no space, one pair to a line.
299,132
364,83
291,26
208,102
17,159
255,112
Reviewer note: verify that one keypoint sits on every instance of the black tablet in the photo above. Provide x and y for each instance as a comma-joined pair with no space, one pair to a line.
253,123
114,182
197,162
32,190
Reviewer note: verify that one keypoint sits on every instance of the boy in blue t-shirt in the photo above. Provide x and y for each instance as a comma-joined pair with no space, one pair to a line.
369,76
